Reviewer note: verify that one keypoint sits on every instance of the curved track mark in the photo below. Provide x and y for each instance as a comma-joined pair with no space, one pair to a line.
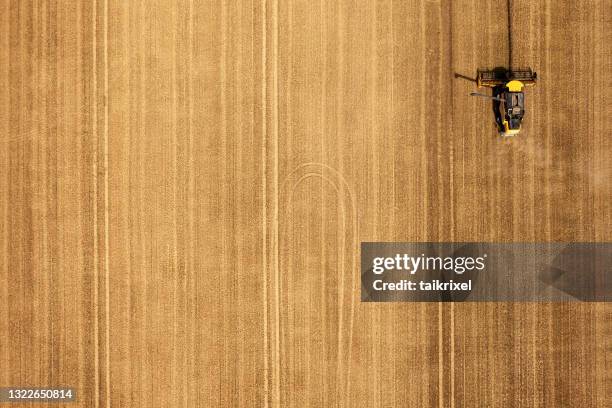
348,250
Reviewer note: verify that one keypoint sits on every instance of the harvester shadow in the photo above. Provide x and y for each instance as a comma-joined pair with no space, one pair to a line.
467,78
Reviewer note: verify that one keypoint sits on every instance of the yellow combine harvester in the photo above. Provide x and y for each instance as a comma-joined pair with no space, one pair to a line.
508,97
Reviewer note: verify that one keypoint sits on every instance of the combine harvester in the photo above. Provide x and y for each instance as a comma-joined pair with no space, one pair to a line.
508,97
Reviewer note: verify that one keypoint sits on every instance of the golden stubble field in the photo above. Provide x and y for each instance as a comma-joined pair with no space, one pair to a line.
184,187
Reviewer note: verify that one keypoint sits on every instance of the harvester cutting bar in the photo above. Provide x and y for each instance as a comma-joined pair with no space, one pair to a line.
501,76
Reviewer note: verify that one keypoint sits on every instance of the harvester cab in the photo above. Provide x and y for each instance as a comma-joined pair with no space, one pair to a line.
508,97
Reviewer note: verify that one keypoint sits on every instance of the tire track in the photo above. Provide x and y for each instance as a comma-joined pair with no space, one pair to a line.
509,13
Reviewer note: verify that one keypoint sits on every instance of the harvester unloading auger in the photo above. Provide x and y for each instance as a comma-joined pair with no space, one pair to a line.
508,97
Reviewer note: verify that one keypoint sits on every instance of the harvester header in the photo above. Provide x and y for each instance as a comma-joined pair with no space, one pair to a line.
502,76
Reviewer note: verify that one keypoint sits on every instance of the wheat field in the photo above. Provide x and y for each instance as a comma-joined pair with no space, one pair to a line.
184,186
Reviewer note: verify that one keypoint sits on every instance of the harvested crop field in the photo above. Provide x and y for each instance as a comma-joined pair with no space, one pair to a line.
185,186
